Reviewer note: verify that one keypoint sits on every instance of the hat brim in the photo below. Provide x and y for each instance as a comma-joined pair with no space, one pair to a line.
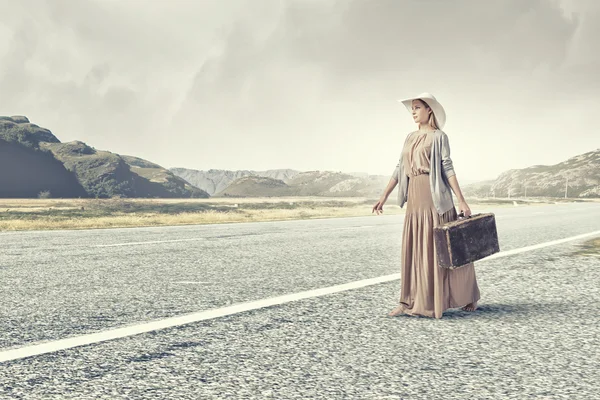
438,110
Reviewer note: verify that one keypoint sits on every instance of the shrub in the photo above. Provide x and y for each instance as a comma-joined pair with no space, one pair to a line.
45,194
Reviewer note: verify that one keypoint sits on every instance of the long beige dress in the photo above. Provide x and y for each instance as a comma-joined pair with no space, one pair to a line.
427,289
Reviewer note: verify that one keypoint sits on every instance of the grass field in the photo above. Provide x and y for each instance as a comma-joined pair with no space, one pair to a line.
44,214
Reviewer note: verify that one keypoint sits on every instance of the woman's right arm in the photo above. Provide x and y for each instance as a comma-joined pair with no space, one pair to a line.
378,207
391,184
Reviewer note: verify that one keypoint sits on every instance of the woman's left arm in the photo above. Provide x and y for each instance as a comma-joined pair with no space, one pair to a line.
462,204
448,170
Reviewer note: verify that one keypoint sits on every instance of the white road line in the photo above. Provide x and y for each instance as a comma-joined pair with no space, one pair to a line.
540,245
148,242
82,340
62,344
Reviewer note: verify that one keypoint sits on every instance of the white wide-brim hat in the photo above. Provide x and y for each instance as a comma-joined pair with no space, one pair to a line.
438,111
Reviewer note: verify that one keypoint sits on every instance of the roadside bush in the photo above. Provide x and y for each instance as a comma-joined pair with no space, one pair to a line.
45,194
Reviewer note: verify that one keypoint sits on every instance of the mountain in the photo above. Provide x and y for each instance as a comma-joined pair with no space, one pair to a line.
217,180
26,169
33,160
256,186
337,184
310,183
581,173
284,182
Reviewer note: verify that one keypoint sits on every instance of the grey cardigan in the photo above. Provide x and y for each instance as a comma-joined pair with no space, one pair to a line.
441,169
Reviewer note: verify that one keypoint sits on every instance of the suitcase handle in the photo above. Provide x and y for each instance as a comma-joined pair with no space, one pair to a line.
462,215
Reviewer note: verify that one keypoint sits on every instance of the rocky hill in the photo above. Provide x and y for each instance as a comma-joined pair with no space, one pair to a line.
217,180
337,184
581,173
256,186
33,160
284,182
311,183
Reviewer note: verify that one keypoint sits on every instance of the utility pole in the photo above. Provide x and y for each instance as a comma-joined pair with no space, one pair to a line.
566,187
525,189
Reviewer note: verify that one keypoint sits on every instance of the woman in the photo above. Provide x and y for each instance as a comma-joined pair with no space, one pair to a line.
426,174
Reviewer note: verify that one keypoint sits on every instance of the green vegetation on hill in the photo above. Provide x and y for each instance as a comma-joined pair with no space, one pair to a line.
35,161
255,186
19,130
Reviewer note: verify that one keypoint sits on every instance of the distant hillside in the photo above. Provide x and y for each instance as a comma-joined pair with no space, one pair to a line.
286,183
160,181
582,173
33,160
255,186
327,183
217,180
26,169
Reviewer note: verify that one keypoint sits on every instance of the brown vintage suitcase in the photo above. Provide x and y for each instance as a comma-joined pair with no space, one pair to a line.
466,240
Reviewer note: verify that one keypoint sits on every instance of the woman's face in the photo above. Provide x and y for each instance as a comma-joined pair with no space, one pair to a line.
420,113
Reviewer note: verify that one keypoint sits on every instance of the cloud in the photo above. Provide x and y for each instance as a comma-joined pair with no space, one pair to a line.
353,43
170,81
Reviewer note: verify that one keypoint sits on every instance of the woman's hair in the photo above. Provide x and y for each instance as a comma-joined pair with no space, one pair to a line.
432,121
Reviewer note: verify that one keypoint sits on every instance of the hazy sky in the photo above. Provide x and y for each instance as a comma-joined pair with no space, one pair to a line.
306,84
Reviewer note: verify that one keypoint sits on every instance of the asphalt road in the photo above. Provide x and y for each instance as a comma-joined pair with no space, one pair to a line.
535,334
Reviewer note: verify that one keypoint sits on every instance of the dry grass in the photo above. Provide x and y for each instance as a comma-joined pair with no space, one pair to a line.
589,248
201,217
47,214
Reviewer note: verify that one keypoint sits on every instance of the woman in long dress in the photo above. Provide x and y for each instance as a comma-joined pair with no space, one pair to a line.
427,289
